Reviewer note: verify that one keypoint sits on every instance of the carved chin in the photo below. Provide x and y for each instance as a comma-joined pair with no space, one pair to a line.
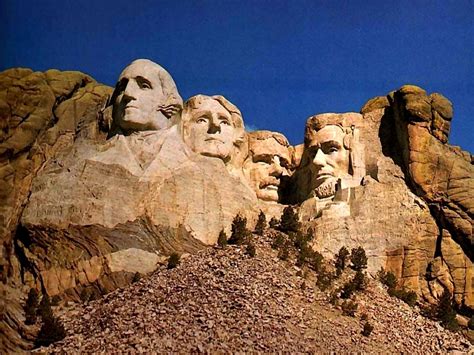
326,189
269,194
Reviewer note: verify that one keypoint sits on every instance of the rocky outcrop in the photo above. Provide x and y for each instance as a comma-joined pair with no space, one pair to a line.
442,175
85,208
41,114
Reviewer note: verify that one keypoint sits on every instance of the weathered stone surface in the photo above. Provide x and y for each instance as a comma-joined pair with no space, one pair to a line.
41,114
145,98
87,202
376,103
268,165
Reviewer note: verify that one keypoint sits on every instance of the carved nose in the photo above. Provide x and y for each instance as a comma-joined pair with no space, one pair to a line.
130,91
277,169
319,159
213,127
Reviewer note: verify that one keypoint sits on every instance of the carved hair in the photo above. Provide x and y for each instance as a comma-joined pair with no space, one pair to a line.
318,122
235,114
256,136
171,97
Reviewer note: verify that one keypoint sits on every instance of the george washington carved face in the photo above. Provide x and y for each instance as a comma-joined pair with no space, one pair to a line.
145,97
212,126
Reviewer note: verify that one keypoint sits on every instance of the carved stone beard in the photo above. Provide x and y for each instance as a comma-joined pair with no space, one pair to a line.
326,189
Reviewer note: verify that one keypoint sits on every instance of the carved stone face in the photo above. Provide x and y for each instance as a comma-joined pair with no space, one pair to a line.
268,162
209,129
139,98
330,159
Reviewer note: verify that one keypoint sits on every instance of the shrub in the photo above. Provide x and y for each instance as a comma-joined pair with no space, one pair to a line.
314,260
357,283
55,300
136,277
324,280
303,255
274,223
409,297
86,295
284,252
341,258
240,233
261,224
358,258
278,241
445,311
250,250
173,260
349,308
289,220
31,307
387,278
52,330
470,324
222,240
367,329
44,309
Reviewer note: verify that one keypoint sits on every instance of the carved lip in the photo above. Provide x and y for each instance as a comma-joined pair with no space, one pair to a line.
211,139
324,175
271,187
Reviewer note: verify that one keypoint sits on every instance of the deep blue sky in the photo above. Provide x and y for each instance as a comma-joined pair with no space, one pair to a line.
278,61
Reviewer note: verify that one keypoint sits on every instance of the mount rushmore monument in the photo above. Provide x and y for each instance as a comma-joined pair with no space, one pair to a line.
100,183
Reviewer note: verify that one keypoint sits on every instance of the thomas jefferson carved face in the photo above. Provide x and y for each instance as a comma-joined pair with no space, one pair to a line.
211,126
329,159
143,98
268,161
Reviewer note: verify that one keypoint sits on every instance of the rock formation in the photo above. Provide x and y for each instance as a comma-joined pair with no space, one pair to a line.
98,184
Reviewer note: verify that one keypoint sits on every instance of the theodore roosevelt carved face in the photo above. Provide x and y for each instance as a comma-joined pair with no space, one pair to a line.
268,161
145,98
212,126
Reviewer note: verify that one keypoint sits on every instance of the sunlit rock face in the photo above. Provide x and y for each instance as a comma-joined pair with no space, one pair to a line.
268,162
145,98
332,160
212,126
88,200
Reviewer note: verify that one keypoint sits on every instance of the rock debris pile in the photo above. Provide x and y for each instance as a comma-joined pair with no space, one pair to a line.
223,300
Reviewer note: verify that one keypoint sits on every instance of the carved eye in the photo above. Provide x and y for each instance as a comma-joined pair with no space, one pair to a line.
201,120
121,85
224,121
333,150
144,85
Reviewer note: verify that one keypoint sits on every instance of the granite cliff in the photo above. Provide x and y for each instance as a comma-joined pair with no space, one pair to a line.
99,183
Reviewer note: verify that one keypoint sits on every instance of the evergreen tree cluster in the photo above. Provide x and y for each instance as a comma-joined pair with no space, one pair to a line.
52,330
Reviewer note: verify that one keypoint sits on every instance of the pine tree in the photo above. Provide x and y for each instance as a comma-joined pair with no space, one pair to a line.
240,233
222,240
445,311
52,329
31,307
274,223
173,260
289,220
358,258
261,224
341,259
